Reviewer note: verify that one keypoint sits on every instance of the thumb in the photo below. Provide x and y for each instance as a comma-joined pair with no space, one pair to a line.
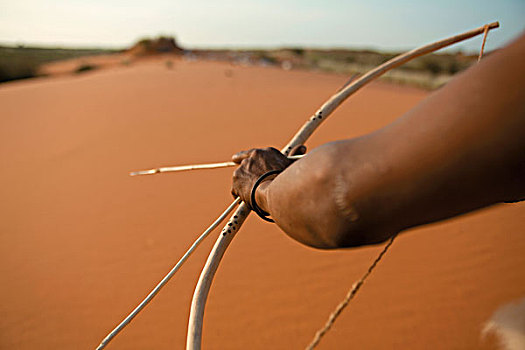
298,150
238,157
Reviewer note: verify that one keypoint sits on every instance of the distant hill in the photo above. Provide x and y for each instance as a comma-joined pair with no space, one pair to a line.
155,46
24,62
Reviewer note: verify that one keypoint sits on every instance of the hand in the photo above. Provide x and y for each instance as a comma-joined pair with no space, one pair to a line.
256,162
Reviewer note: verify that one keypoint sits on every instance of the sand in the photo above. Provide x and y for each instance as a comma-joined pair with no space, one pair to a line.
82,243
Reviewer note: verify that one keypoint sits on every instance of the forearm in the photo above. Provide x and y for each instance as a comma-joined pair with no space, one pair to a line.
362,191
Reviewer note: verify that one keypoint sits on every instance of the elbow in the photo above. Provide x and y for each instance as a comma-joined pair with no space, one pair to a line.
351,234
360,238
328,232
347,240
345,237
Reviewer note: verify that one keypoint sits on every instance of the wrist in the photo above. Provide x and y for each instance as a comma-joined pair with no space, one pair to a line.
261,195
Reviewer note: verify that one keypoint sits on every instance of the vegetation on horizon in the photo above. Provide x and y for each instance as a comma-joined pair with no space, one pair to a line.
430,71
23,62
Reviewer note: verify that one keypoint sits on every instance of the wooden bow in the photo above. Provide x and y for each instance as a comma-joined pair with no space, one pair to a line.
194,336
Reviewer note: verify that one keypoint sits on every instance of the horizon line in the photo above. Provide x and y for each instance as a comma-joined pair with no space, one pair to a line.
66,46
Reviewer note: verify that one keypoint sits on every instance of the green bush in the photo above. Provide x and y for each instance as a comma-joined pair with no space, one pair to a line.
24,62
17,70
85,68
298,51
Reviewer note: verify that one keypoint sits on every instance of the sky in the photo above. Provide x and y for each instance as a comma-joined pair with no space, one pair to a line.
374,24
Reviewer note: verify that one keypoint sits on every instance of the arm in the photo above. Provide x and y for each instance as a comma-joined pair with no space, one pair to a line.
461,149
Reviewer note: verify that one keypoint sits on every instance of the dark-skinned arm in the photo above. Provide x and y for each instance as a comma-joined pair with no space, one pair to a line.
461,149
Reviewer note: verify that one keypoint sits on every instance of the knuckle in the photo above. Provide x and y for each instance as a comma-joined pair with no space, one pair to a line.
257,152
251,165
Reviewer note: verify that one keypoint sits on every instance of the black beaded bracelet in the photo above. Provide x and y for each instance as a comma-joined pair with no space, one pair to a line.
262,214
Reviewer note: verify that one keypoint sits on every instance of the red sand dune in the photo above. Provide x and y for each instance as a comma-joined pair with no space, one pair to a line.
82,242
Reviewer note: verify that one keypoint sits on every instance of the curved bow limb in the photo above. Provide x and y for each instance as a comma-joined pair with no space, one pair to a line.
166,278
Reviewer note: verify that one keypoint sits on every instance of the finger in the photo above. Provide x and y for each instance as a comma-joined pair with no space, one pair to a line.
298,150
238,157
235,179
